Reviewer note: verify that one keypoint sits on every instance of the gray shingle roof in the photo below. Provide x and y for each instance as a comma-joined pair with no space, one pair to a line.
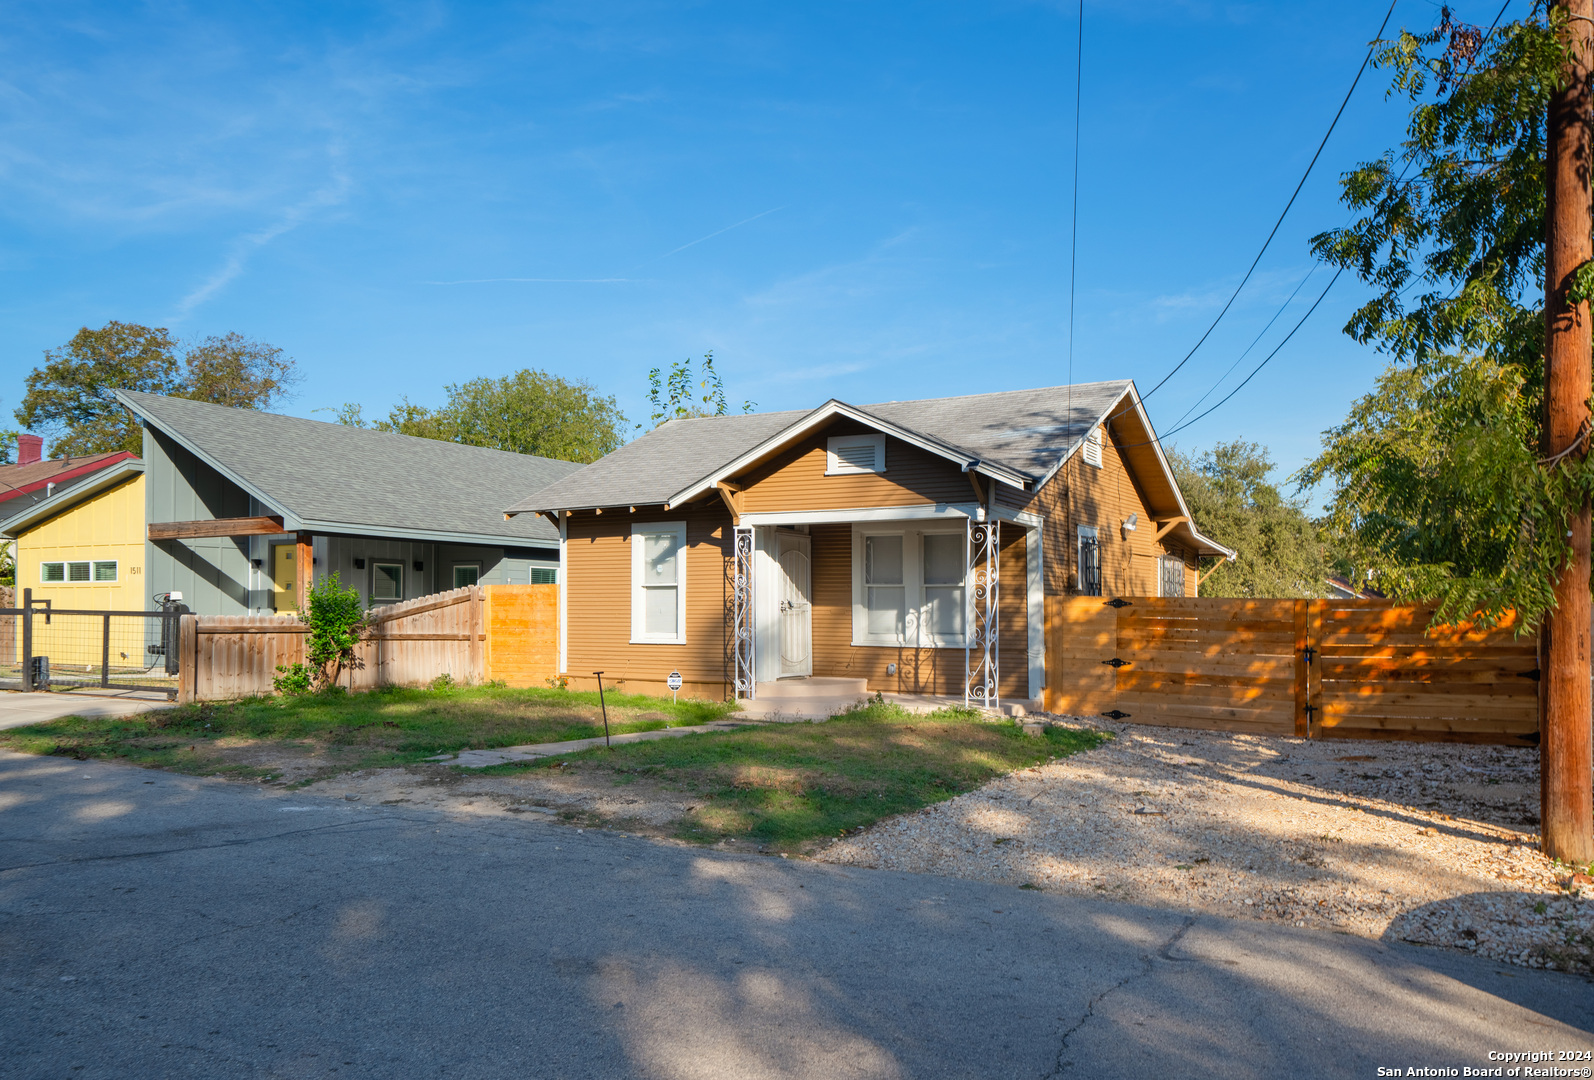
1029,431
351,478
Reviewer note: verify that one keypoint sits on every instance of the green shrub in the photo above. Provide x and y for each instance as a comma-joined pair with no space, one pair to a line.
292,679
336,620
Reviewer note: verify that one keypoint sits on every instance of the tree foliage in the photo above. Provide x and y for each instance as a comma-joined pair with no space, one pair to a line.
674,397
71,398
529,412
1438,486
1279,551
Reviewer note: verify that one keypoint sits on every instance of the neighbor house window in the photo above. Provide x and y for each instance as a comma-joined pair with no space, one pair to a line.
77,572
658,582
1093,447
544,575
387,581
909,587
1089,554
855,454
467,574
1171,581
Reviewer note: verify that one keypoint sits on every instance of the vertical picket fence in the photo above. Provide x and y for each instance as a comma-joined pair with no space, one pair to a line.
410,644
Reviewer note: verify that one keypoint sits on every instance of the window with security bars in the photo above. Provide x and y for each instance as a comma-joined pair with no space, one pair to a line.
1172,576
1089,562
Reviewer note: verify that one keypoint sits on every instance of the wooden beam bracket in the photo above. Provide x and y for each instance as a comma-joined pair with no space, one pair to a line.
1166,526
240,526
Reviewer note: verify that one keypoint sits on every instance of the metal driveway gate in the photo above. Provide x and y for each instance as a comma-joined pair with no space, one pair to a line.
43,647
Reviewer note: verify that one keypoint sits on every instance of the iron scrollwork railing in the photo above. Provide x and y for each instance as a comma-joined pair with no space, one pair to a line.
742,613
980,656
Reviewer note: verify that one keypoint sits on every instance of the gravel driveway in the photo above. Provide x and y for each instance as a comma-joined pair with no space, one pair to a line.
1424,842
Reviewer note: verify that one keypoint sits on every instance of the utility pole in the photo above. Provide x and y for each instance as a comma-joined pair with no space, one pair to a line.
1566,714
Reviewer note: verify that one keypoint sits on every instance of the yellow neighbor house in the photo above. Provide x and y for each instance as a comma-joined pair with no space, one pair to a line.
82,546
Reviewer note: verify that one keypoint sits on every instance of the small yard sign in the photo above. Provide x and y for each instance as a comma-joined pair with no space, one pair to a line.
675,683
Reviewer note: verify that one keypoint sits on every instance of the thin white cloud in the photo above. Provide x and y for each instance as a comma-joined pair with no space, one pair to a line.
719,232
330,194
539,280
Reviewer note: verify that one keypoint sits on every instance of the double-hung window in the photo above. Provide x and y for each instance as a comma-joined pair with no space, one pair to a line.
658,583
909,587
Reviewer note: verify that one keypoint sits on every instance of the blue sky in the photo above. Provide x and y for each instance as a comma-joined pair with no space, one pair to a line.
869,201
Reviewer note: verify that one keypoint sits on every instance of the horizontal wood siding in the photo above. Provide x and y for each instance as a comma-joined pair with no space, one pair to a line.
1376,669
919,671
1081,494
598,591
795,479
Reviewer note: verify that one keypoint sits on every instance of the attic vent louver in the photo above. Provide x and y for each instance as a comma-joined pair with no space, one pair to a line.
1093,447
855,454
855,457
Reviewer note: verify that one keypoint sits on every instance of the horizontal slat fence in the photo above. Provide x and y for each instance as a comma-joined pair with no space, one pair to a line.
1318,668
410,644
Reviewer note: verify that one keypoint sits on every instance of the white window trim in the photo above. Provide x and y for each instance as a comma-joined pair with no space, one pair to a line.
912,589
66,573
1086,531
834,466
638,611
375,565
1092,449
1183,566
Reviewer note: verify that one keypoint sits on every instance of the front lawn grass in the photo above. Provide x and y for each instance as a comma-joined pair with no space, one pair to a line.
392,726
788,785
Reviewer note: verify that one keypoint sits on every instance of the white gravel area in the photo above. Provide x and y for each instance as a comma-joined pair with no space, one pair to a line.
1434,843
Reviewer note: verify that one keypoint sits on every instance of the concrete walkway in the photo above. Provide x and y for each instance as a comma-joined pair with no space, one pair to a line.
481,759
18,709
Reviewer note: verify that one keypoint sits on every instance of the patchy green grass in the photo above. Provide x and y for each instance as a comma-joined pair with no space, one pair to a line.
788,785
336,732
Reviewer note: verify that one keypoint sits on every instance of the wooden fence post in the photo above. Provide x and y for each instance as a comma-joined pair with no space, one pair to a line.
1314,666
188,659
1303,641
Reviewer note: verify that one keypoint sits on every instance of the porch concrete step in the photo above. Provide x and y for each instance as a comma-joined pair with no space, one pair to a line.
787,689
814,708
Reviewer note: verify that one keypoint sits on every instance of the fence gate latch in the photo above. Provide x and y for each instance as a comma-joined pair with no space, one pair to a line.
1308,652
1115,663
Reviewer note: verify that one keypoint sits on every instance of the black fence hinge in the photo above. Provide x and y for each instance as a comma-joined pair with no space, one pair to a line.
1118,602
1115,663
1535,674
1116,714
1308,652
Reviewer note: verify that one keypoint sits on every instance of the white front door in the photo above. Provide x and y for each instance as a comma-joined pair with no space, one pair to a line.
796,610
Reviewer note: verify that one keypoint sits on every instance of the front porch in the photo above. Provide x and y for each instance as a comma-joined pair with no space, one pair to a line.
819,698
928,605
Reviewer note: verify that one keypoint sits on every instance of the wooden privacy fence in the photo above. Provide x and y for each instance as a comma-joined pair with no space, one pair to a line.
1350,669
475,634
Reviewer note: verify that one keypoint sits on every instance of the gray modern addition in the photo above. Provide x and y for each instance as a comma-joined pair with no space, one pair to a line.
395,517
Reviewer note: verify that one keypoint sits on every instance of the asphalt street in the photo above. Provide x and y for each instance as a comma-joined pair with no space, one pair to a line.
154,925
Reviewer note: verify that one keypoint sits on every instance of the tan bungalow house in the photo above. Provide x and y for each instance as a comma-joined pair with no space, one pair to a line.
907,547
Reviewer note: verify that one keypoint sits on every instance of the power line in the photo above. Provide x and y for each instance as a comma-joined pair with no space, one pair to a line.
1332,124
1073,228
1180,424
